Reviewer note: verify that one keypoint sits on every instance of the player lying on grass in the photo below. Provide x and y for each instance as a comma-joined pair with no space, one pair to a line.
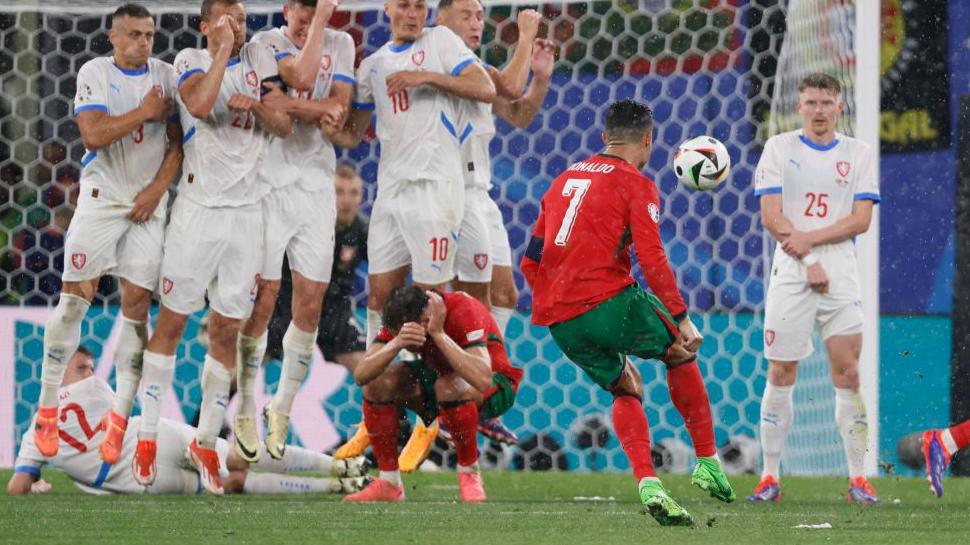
933,450
463,374
84,402
578,264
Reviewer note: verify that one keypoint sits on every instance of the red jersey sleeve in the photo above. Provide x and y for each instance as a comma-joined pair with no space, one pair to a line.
645,227
533,252
383,336
467,324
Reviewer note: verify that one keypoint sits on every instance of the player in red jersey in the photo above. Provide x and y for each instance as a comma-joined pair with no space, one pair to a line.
463,373
578,264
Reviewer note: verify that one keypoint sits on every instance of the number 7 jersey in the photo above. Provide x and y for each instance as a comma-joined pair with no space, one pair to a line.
579,255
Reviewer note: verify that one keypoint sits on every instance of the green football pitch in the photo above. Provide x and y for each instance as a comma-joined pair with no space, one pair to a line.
529,508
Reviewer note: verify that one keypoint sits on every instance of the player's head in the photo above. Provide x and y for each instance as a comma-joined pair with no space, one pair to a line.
466,18
298,15
234,11
629,124
350,193
132,35
407,18
406,304
79,367
819,103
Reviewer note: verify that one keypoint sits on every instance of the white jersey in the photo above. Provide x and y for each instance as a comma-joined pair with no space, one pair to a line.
418,127
306,157
819,185
117,172
223,153
479,126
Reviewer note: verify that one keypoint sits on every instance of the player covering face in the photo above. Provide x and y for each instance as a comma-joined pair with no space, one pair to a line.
578,264
134,151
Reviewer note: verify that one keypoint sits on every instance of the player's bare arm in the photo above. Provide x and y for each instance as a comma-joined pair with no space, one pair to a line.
380,355
782,230
99,130
351,135
800,243
331,111
269,112
511,80
19,484
148,198
474,364
300,71
200,91
472,83
522,111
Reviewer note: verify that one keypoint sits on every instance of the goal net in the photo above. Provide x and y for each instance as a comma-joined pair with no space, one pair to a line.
724,68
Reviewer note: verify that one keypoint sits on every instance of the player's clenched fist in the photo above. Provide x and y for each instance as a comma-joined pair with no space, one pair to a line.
155,106
325,9
543,57
690,337
817,278
275,98
400,81
528,21
241,103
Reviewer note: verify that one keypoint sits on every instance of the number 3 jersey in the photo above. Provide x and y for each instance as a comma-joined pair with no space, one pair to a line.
224,151
117,172
418,127
579,255
818,185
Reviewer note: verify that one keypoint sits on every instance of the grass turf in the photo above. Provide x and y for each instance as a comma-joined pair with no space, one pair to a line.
530,508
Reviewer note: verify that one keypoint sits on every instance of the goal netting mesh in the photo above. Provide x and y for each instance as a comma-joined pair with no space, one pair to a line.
725,68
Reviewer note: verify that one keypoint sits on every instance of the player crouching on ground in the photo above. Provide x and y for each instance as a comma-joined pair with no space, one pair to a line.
86,400
463,373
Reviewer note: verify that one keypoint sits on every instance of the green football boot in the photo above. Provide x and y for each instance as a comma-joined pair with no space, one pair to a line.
709,476
661,506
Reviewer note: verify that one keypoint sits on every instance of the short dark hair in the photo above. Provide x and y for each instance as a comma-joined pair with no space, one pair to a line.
405,304
85,350
207,6
135,11
821,81
628,120
344,170
305,3
445,4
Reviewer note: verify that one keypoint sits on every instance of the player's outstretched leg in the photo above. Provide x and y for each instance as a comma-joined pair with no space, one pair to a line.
62,335
689,395
938,447
381,420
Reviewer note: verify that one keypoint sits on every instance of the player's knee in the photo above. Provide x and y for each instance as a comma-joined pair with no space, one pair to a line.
383,389
846,376
505,296
223,332
454,388
630,383
306,312
782,373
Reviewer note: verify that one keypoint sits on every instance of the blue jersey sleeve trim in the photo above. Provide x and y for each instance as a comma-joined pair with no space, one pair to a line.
345,79
874,197
465,133
188,74
369,106
767,191
461,66
88,157
282,55
449,125
35,471
188,136
86,107
102,475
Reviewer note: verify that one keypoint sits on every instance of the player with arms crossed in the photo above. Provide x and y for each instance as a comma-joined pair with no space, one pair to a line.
216,218
317,65
578,265
463,374
817,190
123,108
86,399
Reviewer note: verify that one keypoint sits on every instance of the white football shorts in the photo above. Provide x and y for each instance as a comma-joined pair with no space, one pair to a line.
300,224
102,240
418,225
484,242
216,251
792,309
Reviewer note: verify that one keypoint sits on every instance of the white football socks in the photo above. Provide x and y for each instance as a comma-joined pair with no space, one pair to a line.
297,357
850,417
777,410
272,483
128,360
502,316
215,396
295,459
157,373
374,321
393,477
249,357
62,335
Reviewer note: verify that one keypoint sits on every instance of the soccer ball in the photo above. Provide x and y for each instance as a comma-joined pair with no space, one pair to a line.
741,454
702,163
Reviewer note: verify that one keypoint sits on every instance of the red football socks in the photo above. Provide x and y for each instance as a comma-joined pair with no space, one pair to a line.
630,424
689,395
462,421
961,434
381,420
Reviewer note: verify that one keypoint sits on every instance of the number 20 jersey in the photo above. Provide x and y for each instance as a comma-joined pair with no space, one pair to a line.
818,185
